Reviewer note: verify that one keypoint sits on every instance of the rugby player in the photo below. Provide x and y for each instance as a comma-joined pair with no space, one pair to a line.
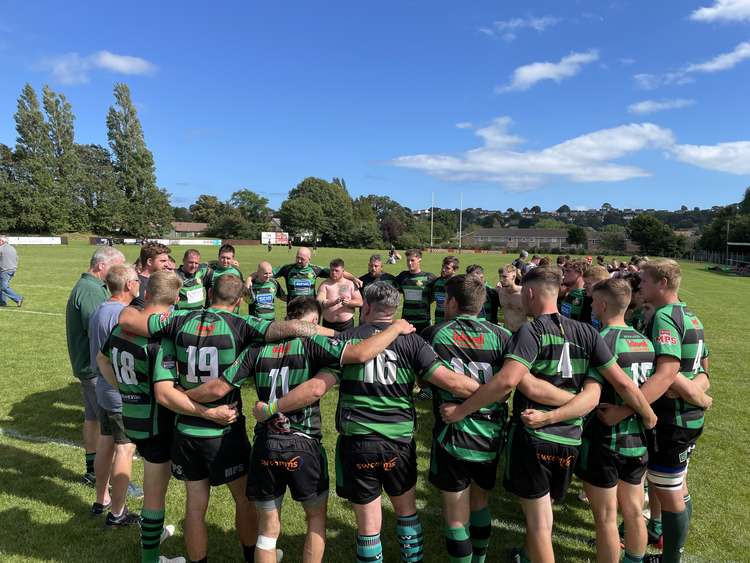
465,455
543,443
339,298
154,257
195,276
262,290
572,303
414,284
287,451
491,303
591,276
89,292
300,277
509,298
206,454
612,460
375,419
437,287
375,273
143,370
677,390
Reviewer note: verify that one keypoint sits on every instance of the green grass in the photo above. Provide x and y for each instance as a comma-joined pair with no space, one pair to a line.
44,511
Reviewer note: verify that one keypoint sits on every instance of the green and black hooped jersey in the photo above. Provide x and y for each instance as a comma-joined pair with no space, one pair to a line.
559,350
416,290
139,363
676,331
279,367
206,342
300,282
491,305
635,355
262,297
375,398
437,294
474,347
572,304
193,290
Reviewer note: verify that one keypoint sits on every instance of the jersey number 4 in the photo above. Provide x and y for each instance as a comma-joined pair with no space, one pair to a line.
204,360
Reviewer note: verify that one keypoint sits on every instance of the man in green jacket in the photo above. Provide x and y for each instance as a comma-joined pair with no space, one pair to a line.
88,293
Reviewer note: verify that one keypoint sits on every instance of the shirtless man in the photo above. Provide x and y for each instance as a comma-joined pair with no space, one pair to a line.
339,298
509,296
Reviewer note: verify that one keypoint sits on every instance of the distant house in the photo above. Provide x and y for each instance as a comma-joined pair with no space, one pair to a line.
517,238
186,229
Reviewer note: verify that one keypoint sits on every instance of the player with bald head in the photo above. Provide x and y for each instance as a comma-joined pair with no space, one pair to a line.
263,290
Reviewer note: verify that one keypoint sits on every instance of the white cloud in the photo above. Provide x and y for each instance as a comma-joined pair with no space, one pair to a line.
464,125
723,10
72,68
652,106
587,158
733,158
507,29
725,61
524,77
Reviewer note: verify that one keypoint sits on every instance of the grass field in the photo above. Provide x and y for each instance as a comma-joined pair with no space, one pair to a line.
44,509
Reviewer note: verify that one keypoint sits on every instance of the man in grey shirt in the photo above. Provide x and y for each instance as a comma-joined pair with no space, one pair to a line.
114,451
8,266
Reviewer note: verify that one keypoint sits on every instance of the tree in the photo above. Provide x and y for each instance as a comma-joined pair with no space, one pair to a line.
577,236
487,222
563,209
393,218
654,237
105,205
150,213
207,209
302,216
366,233
66,185
614,238
182,214
744,206
336,205
252,207
34,167
536,210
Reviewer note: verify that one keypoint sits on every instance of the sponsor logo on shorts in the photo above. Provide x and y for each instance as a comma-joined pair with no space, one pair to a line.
292,464
387,465
564,461
234,470
177,469
665,337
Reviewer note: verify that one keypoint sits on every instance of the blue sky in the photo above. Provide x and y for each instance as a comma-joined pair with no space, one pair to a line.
640,104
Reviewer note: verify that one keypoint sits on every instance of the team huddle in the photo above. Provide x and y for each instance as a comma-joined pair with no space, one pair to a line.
608,370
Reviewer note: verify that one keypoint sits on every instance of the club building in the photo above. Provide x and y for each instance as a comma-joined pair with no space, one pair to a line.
526,238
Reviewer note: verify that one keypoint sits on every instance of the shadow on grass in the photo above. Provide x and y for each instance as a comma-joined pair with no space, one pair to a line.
56,413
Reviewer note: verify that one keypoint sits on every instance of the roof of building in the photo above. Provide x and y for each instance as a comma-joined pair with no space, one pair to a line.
189,227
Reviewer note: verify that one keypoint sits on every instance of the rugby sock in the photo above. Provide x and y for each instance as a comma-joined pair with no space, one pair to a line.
630,558
369,549
676,526
249,552
409,534
654,526
152,524
458,544
90,456
688,505
480,526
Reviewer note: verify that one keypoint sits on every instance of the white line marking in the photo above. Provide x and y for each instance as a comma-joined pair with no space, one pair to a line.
17,310
38,439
